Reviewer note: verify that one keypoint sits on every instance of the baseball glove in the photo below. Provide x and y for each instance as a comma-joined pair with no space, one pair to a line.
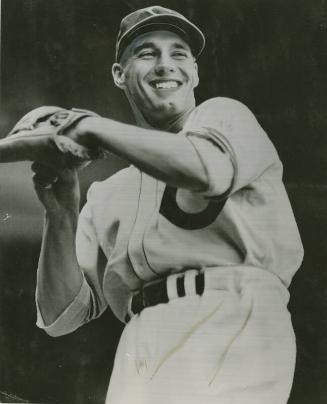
42,136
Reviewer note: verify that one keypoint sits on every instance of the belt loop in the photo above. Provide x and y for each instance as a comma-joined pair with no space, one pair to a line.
180,286
200,283
189,282
172,286
129,313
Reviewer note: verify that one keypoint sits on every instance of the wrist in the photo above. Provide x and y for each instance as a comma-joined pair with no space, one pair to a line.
62,216
84,132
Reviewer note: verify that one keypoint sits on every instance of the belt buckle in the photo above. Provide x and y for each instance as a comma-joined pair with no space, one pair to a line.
142,299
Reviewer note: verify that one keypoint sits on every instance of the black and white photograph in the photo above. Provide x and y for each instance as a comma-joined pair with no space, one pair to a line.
163,202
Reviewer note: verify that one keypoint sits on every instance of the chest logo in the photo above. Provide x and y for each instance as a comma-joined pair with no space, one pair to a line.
185,220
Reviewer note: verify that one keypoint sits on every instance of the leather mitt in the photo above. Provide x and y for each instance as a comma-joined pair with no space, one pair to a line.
42,135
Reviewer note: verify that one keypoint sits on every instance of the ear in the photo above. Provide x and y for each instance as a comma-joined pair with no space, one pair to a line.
196,75
118,75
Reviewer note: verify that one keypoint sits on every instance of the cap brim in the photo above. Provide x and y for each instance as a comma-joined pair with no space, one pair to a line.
188,31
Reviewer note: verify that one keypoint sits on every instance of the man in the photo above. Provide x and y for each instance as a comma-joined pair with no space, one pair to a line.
198,233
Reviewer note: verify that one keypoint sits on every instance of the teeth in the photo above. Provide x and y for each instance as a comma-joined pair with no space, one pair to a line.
167,84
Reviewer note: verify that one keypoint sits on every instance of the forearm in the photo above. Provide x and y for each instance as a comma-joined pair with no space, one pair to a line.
59,277
166,156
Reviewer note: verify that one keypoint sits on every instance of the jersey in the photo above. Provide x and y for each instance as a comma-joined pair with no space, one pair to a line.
147,229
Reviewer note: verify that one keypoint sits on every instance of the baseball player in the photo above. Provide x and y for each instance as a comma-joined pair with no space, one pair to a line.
198,232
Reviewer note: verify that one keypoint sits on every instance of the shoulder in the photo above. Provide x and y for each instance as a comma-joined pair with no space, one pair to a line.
224,104
224,114
220,111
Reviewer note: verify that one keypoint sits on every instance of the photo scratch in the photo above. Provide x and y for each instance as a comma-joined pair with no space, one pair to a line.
4,216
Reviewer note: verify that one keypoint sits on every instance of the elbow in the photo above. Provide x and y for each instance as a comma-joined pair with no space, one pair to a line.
64,323
58,330
52,330
55,333
216,179
199,182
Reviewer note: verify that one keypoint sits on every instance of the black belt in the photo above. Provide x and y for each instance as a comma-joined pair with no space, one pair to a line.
156,293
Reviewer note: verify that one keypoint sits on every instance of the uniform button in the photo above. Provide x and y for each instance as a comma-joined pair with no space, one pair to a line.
141,366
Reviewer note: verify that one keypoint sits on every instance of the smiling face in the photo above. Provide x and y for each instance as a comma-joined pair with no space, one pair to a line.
158,74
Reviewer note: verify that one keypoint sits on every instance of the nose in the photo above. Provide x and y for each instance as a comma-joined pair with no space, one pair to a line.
164,66
162,70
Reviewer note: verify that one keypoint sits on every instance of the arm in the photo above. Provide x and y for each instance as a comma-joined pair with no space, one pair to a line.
168,157
69,281
60,308
59,277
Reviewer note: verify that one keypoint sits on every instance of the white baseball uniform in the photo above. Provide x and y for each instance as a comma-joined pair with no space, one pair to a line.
233,344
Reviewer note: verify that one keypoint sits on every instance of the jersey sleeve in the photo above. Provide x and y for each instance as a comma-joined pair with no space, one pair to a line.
231,127
89,303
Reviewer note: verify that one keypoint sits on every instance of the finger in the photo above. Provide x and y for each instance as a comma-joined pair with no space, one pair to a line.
42,182
43,187
45,193
36,166
43,169
26,145
44,176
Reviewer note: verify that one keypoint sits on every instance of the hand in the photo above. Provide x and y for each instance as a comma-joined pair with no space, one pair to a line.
57,189
31,145
46,135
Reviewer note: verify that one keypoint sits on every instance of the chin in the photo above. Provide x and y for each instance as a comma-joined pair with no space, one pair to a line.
167,108
165,112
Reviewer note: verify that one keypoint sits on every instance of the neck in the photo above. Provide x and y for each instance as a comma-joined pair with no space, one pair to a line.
173,124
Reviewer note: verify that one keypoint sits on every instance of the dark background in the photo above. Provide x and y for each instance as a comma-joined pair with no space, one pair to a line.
269,54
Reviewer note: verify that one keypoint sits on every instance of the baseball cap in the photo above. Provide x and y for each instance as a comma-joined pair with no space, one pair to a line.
158,18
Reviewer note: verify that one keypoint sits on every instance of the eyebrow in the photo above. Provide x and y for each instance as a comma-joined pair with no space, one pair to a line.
153,45
142,46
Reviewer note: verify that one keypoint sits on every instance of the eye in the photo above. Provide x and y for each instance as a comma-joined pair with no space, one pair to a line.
180,55
146,54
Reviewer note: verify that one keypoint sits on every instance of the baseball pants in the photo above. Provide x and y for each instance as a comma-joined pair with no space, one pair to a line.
233,345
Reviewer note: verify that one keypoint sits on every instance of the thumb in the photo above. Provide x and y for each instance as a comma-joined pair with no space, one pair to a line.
43,184
56,189
44,179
